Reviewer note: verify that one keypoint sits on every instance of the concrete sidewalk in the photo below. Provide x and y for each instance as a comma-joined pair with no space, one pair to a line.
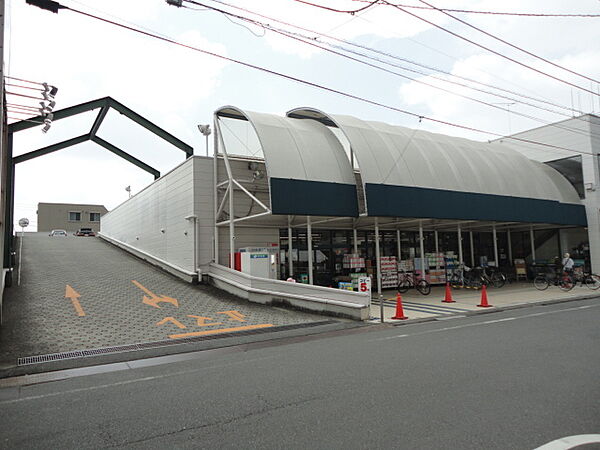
418,306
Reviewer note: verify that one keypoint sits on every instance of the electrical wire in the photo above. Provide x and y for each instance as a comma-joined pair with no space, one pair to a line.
469,41
354,11
370,49
497,13
491,50
22,79
491,105
16,105
23,95
322,87
23,87
510,44
309,41
240,25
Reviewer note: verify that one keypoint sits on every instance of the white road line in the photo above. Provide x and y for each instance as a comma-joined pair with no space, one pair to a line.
467,325
126,382
458,316
500,320
571,442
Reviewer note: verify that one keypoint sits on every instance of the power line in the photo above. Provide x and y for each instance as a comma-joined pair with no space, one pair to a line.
491,50
354,11
470,41
309,41
511,45
318,86
370,49
496,13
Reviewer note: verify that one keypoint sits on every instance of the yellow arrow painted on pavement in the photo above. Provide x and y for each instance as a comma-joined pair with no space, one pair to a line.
173,320
153,299
74,296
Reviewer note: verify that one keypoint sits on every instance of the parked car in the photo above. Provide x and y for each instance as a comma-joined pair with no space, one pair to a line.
85,232
58,233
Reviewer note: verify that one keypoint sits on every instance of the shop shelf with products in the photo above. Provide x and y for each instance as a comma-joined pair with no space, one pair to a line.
354,266
451,261
389,271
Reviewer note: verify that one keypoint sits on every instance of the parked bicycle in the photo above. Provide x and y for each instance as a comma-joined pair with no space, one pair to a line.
491,276
406,280
590,280
561,279
464,277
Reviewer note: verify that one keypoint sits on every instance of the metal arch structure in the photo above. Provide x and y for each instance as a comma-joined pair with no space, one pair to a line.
105,104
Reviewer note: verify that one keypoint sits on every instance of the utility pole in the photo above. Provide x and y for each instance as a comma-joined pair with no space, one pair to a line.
3,157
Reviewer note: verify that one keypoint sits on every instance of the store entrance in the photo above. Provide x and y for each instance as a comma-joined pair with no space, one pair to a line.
338,262
328,247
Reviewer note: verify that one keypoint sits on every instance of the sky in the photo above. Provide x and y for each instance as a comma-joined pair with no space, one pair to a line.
178,88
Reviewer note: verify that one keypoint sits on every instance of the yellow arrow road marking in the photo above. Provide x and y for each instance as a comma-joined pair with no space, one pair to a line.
153,299
201,321
221,330
173,320
234,315
74,295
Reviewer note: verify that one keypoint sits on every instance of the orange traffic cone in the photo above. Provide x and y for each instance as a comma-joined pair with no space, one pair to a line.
399,310
484,301
448,298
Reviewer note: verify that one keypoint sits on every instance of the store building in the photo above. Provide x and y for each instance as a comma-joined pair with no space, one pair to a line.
571,147
332,197
69,216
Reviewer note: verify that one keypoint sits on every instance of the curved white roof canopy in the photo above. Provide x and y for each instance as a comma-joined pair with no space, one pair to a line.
308,170
435,168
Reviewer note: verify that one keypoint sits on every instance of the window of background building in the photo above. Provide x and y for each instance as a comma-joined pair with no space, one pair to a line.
74,216
94,217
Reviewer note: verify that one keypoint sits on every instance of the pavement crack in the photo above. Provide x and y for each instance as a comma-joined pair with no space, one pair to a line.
264,410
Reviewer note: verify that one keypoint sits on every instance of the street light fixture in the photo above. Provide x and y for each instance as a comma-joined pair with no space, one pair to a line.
205,130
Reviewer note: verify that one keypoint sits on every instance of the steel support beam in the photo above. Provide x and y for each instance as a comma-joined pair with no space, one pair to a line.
378,259
460,249
472,249
290,249
510,256
140,120
422,250
117,151
99,119
50,149
310,250
532,239
495,239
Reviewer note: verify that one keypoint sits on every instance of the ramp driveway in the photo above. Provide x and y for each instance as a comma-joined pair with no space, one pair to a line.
81,293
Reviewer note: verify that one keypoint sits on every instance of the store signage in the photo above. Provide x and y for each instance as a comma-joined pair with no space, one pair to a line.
258,255
364,285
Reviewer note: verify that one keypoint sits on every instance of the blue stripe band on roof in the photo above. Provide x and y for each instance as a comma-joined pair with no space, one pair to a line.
313,198
410,201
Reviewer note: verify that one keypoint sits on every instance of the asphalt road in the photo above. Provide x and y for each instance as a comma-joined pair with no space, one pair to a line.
511,380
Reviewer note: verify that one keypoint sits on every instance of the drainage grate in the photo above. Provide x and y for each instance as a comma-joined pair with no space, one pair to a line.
28,360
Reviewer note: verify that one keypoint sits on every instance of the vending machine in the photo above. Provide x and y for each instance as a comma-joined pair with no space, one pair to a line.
260,262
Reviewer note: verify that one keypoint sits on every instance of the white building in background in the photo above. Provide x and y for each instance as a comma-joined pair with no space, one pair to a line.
572,147
319,195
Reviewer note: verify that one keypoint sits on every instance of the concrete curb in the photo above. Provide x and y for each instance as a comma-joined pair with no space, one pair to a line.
495,309
174,349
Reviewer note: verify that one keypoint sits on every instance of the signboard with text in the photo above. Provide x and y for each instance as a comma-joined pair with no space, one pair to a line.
364,285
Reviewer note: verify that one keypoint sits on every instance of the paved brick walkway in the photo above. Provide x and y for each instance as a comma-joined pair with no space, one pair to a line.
417,306
39,320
